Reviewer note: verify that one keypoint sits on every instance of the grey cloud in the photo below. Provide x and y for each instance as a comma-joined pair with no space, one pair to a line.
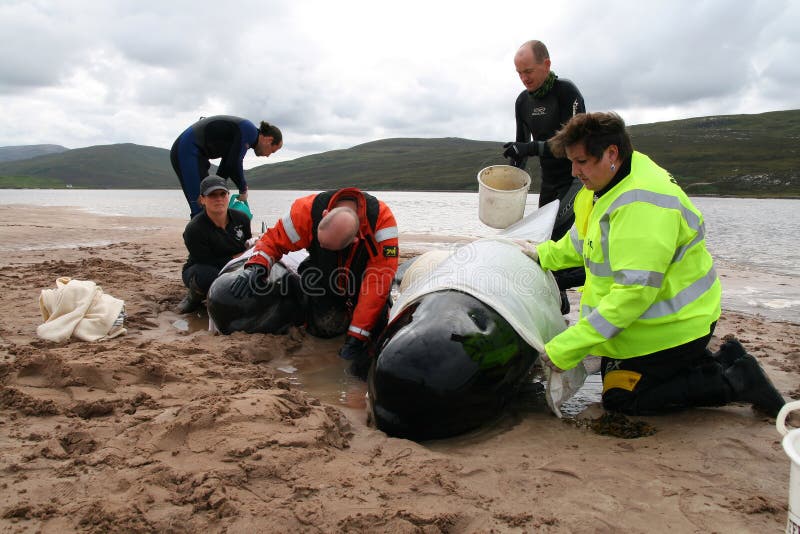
680,54
34,52
157,66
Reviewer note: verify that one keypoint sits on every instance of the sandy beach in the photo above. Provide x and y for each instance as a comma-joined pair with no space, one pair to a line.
170,429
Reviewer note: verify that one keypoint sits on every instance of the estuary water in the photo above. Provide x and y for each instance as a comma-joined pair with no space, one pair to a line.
753,240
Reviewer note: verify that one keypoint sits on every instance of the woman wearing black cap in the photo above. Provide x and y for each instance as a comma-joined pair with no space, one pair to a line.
213,238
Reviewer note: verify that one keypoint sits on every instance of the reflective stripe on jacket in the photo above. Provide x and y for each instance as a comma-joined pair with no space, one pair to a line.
650,281
296,230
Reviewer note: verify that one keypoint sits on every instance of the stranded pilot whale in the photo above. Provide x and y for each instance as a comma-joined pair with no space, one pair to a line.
463,335
271,311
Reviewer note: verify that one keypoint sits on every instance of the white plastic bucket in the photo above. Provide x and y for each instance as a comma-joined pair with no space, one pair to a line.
791,446
502,192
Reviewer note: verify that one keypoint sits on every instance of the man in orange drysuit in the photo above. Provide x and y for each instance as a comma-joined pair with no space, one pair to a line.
352,241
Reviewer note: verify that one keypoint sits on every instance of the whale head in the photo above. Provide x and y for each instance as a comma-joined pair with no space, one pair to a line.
445,365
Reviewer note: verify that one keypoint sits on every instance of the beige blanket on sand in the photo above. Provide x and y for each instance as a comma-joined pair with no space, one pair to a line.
79,308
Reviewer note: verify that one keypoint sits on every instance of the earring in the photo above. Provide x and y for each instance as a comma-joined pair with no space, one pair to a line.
613,167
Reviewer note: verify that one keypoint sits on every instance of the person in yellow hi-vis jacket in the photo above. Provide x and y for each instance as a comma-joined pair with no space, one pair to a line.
652,297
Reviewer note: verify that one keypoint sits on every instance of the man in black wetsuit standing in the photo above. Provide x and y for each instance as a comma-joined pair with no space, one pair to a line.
546,104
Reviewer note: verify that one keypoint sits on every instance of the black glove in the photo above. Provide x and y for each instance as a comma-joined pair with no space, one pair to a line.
252,279
353,349
517,152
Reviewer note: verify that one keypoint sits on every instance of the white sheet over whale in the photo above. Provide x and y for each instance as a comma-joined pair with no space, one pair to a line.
495,271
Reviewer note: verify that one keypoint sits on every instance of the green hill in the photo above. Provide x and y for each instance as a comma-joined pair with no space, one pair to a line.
121,166
741,155
450,164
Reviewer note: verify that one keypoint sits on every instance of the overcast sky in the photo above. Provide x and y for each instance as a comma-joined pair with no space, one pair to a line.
336,73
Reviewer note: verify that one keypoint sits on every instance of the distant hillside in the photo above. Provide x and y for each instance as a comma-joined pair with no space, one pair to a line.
14,153
738,155
121,166
389,164
741,155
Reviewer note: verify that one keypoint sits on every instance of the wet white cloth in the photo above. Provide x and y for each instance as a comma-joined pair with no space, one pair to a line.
496,271
562,386
79,308
423,266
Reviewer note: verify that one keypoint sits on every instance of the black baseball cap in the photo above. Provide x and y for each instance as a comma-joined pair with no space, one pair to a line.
212,183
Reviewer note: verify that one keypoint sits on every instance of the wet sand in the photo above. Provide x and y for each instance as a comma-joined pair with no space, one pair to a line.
173,429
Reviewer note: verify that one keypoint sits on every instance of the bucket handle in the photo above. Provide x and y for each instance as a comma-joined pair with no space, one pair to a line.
780,420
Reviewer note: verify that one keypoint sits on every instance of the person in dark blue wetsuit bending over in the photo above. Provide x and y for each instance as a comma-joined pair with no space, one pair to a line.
547,103
220,136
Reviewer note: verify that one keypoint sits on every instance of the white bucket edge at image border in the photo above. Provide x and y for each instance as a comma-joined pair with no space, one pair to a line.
791,446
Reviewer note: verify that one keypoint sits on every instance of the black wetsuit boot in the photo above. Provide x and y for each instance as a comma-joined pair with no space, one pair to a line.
193,299
729,352
751,384
191,302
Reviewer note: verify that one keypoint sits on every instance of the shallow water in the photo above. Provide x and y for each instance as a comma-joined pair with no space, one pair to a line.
325,379
752,233
753,240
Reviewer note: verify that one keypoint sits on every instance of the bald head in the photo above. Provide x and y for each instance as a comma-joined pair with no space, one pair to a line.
338,228
534,49
532,62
